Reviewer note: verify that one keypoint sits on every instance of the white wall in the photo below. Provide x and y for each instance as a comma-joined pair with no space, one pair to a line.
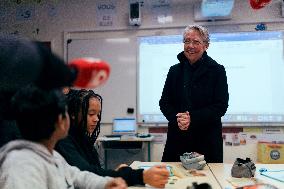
53,17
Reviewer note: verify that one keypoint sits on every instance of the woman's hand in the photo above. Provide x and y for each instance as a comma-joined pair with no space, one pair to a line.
183,120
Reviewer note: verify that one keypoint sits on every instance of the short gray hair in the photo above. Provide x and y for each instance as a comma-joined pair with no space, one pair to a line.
202,31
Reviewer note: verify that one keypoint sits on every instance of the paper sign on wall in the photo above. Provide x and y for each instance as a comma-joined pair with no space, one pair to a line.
106,13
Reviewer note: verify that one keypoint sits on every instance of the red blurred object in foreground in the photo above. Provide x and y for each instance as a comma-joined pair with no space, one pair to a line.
258,4
91,72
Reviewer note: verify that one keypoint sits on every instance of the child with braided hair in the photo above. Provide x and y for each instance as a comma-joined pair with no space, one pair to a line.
85,107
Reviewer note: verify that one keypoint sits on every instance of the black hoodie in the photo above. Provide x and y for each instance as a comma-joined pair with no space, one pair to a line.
78,150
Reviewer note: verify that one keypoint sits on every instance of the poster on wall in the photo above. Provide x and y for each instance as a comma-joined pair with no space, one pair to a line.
106,13
161,10
52,10
25,12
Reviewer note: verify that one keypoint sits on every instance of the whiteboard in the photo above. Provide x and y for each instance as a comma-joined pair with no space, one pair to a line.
119,92
119,49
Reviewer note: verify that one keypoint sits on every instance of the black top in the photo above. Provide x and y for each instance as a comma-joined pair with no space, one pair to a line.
204,85
80,152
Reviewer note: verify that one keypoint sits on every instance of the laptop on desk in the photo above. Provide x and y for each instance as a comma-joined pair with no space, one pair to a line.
123,127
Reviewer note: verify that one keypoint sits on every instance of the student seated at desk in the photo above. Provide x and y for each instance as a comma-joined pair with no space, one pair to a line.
84,107
42,119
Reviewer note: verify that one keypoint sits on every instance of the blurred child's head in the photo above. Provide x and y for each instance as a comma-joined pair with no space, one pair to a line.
25,62
40,113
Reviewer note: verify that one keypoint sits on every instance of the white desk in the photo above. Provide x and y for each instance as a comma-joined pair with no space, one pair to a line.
124,139
222,171
217,175
183,178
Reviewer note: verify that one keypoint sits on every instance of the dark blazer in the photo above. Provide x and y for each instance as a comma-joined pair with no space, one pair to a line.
79,152
208,93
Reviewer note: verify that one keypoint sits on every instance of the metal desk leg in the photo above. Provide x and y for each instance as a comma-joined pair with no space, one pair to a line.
149,151
105,158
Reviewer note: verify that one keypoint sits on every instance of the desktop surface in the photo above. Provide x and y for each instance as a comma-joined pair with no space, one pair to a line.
180,177
222,172
218,175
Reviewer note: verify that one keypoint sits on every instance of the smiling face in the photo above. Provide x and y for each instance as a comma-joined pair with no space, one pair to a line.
93,114
194,45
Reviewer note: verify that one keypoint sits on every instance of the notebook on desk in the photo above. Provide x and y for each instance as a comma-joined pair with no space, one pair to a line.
123,127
